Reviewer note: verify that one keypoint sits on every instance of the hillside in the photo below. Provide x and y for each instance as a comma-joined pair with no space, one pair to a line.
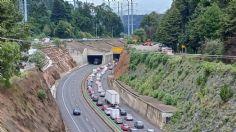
203,92
28,105
23,111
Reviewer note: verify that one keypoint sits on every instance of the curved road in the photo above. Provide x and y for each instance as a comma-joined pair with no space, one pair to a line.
69,96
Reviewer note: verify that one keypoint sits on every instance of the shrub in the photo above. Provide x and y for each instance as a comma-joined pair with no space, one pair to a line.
201,80
42,94
214,47
39,58
169,100
226,93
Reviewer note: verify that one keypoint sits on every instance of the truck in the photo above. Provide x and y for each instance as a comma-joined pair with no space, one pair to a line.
115,113
112,97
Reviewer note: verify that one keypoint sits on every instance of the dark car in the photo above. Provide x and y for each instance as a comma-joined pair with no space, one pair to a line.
76,111
95,98
99,103
138,125
123,112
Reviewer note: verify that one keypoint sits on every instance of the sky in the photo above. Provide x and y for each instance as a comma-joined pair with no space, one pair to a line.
141,6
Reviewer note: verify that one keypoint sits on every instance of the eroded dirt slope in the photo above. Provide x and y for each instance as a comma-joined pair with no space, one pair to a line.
21,110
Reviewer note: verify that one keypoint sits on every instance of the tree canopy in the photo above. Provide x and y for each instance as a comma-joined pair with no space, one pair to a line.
192,22
47,17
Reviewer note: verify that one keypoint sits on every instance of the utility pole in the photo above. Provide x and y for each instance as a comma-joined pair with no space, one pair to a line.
118,8
128,20
132,17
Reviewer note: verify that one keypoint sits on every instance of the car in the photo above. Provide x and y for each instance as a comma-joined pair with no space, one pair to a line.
95,98
129,117
104,107
76,111
133,130
118,120
149,130
108,111
125,127
99,103
93,75
138,124
123,112
102,94
96,61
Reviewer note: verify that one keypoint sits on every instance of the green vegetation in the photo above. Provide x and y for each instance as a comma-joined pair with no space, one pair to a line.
39,58
226,93
42,95
141,34
58,18
193,22
214,47
9,59
202,91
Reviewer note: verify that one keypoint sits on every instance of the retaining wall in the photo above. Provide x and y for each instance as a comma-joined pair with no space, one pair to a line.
155,114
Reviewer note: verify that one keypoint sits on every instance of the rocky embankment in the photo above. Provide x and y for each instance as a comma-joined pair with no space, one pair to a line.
22,110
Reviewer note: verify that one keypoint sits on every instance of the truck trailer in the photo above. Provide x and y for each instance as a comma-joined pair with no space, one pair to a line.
112,97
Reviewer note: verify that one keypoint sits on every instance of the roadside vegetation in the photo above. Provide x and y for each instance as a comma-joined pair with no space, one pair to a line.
203,92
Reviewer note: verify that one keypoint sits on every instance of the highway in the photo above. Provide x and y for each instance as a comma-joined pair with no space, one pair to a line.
129,110
69,96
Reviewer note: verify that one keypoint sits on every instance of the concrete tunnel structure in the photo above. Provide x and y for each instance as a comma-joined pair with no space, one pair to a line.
92,56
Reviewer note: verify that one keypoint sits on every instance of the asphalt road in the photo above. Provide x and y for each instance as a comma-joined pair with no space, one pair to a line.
136,116
69,96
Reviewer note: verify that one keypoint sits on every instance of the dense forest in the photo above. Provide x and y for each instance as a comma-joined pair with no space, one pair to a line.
58,18
197,24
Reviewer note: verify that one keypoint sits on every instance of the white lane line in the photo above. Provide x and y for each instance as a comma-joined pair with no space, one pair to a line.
65,103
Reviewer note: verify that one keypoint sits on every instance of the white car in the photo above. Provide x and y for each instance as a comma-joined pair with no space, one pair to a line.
108,111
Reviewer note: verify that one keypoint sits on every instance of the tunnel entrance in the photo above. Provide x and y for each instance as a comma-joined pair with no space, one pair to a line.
95,59
116,57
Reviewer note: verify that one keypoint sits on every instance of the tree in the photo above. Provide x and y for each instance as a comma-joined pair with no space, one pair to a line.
9,59
170,28
209,24
150,24
141,34
231,12
64,30
38,58
61,11
213,47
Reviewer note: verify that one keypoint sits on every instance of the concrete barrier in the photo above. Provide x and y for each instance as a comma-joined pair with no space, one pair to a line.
158,114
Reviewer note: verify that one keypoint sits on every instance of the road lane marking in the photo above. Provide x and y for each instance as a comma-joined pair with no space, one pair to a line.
65,103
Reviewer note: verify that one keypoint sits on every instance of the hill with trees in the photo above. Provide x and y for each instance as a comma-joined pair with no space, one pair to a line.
193,23
58,18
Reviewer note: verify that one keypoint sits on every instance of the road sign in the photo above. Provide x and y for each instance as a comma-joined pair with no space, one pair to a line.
117,50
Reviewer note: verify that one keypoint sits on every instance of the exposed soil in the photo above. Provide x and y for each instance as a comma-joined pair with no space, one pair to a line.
123,65
21,109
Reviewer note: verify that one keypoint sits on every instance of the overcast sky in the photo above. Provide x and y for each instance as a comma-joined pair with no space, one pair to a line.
142,6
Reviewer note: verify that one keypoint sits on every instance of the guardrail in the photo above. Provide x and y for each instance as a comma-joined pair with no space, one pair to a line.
100,113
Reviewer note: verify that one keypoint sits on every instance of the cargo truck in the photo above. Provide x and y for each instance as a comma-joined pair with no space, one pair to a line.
112,97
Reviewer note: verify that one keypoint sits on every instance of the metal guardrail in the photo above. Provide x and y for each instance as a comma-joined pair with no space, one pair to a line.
100,113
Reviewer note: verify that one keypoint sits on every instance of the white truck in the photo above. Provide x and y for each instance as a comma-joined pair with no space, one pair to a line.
115,113
112,97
